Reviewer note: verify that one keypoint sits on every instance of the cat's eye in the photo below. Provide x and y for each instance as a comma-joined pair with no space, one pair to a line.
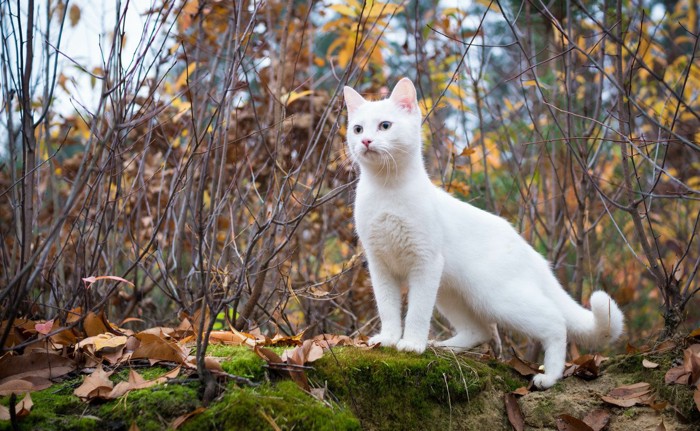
384,125
357,129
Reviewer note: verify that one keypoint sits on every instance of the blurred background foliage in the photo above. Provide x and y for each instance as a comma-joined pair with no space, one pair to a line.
211,170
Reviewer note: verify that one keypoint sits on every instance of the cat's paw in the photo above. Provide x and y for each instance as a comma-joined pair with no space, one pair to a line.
544,381
384,340
411,346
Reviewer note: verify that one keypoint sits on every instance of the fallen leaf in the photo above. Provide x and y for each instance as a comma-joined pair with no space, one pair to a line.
570,423
268,355
696,398
661,426
95,324
300,355
182,419
629,395
677,376
95,386
649,364
34,363
44,328
110,344
25,384
157,349
597,419
658,406
22,409
521,391
523,367
515,415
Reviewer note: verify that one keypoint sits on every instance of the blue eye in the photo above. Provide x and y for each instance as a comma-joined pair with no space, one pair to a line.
357,129
384,125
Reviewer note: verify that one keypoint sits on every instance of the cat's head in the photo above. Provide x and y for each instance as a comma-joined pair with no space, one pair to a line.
382,134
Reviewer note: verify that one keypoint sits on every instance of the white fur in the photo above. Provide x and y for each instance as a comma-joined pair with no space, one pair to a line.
472,264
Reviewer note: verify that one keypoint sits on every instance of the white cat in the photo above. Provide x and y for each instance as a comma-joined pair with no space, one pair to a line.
472,264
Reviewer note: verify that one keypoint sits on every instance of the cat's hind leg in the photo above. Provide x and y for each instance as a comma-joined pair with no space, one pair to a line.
469,330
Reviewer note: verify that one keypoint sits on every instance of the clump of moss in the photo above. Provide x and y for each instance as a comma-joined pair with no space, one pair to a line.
395,390
151,409
283,404
240,361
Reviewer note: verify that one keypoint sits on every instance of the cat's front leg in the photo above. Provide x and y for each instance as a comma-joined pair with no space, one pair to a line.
423,284
387,294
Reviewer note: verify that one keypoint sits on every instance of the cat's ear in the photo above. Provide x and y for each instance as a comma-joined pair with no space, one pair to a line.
353,100
404,95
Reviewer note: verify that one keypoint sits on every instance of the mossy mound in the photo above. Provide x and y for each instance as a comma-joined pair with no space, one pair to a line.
393,390
375,389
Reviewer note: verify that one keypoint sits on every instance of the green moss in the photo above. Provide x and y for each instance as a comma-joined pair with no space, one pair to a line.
151,409
240,361
283,404
394,390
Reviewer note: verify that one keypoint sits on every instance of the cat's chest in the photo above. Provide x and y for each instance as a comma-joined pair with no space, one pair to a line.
396,238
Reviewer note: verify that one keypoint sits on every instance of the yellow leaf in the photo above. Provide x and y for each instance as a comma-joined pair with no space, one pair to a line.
343,10
74,15
288,99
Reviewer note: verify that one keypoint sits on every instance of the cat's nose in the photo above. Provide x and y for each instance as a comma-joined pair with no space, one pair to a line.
366,142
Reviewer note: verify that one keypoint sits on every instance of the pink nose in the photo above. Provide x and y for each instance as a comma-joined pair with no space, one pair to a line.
366,142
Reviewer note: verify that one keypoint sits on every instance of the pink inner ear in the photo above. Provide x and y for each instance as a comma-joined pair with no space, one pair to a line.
406,103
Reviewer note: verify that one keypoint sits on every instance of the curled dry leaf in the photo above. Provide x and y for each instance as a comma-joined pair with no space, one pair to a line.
523,367
157,349
36,364
23,385
570,423
521,391
515,415
648,364
95,386
629,395
597,419
182,419
22,408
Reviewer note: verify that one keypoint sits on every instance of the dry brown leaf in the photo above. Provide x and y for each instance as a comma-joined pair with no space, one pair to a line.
661,426
586,367
570,423
158,349
25,384
523,367
110,343
677,376
649,364
629,395
300,355
182,419
696,398
134,427
34,363
95,386
4,413
515,415
95,324
285,340
521,391
268,355
597,419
